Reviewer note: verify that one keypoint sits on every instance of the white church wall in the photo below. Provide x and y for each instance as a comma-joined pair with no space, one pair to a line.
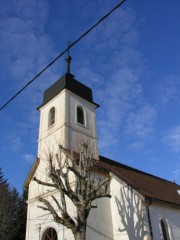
99,221
36,189
39,220
89,127
51,136
59,103
42,171
79,133
99,224
66,130
129,217
124,216
170,215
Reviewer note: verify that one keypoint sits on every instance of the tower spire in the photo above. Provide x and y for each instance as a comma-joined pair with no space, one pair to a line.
68,60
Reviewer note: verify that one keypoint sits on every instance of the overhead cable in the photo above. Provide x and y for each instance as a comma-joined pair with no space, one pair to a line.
62,53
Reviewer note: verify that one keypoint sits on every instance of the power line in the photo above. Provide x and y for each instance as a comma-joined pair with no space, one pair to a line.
62,53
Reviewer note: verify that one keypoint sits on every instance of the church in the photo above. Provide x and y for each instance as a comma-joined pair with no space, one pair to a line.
141,207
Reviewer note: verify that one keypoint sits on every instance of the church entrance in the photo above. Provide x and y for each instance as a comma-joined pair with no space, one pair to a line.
50,234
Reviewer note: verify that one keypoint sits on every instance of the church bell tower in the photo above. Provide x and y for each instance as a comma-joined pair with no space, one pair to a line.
67,115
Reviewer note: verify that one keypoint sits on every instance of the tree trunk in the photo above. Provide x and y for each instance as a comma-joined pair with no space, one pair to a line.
81,235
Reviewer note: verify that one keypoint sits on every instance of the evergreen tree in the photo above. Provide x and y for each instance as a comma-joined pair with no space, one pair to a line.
20,218
2,180
4,207
12,212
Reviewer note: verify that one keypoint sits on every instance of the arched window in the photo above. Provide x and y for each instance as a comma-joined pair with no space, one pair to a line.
50,234
164,228
80,115
51,117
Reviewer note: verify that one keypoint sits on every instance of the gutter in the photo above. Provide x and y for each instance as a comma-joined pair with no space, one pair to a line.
149,218
163,202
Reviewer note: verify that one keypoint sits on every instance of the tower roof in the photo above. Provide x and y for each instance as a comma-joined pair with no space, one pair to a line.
68,82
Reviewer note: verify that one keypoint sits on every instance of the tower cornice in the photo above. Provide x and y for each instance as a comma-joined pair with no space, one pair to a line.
68,82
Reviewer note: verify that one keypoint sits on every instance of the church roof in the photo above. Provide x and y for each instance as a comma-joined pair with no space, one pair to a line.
153,188
68,82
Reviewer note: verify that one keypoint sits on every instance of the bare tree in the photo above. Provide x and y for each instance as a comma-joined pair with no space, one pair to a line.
75,177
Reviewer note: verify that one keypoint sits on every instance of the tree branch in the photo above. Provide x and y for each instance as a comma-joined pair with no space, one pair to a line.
66,220
95,194
63,168
44,183
57,203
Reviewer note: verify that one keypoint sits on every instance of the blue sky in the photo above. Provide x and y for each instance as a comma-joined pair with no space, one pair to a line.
131,61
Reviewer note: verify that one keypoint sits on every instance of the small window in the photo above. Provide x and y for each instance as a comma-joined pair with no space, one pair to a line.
50,234
164,228
51,118
80,115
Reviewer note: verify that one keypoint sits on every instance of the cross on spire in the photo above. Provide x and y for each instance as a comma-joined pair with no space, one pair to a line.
68,60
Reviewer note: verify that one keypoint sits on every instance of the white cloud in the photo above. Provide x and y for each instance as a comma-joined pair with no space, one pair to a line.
131,37
15,142
24,45
127,56
137,145
124,84
90,76
108,138
27,10
121,92
140,124
119,75
116,74
172,139
29,157
176,172
176,175
114,32
25,49
167,91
